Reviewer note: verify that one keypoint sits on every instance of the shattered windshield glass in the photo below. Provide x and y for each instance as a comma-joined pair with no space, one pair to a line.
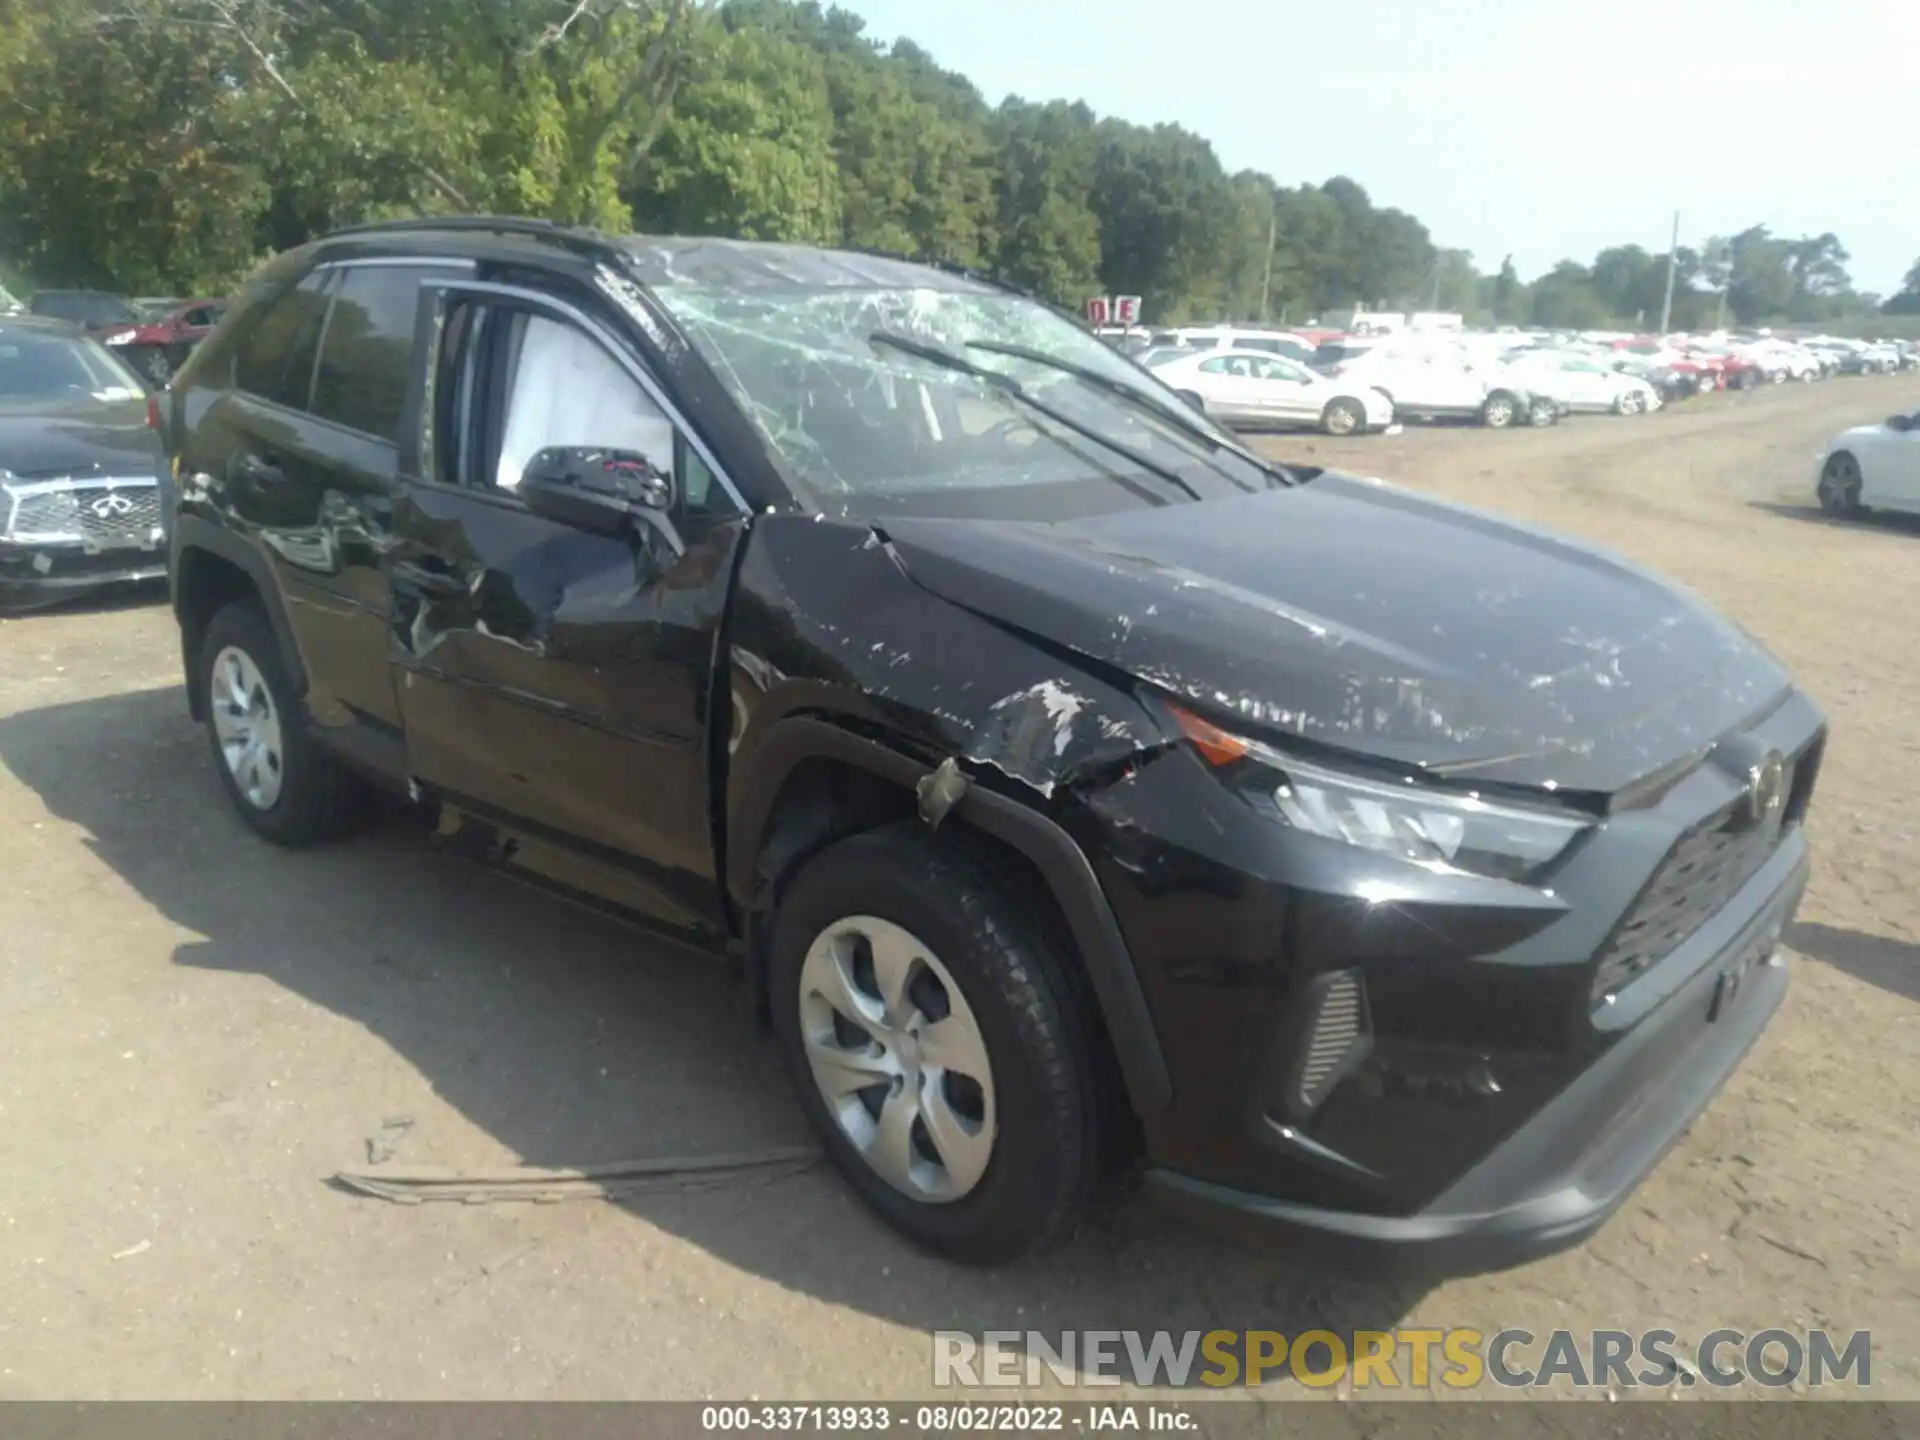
866,425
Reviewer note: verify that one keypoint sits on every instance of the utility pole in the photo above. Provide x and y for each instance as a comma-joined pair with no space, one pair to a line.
1266,280
1673,259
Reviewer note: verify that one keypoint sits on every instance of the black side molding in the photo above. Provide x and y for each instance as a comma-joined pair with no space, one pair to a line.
1060,861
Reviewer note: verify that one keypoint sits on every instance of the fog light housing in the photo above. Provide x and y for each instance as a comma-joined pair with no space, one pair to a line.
1331,1035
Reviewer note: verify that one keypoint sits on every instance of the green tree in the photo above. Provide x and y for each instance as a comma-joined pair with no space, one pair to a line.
748,149
1565,298
1049,236
1165,208
1905,301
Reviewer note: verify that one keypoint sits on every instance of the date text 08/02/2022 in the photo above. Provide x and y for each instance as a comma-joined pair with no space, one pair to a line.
941,1419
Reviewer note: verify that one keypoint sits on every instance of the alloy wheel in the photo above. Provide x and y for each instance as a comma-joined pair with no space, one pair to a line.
1840,486
899,1058
247,727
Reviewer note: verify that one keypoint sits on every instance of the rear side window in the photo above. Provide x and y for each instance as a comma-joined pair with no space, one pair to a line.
276,357
366,359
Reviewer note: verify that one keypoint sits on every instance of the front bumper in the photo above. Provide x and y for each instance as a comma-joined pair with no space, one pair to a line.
1509,1059
46,574
1558,1178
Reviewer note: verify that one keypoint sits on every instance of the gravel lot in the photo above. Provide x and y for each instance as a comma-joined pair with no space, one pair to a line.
199,1030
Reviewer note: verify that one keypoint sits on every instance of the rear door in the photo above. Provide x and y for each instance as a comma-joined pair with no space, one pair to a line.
555,682
323,421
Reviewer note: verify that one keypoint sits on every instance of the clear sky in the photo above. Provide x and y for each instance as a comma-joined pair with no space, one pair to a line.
1545,129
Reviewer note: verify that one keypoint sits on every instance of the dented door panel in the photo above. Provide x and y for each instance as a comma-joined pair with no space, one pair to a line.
557,683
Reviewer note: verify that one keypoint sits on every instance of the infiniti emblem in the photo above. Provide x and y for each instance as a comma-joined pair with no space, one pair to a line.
108,506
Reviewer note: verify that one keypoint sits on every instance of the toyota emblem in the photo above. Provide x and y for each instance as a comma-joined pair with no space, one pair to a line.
109,506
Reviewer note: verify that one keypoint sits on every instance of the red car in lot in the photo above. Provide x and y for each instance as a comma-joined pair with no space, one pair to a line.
159,347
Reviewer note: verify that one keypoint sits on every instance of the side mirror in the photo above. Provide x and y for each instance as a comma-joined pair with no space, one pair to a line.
1899,422
603,492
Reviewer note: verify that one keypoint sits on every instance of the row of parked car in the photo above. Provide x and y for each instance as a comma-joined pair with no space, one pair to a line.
153,334
1353,384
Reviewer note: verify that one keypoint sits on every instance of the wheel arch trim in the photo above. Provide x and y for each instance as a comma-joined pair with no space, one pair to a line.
192,533
1062,866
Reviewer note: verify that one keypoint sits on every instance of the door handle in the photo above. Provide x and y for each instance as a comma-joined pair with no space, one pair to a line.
258,467
434,584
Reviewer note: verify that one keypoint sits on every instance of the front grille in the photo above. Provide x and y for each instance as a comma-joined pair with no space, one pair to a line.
1700,875
125,514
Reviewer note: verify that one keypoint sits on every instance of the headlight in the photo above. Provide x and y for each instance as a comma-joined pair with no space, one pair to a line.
124,338
1406,820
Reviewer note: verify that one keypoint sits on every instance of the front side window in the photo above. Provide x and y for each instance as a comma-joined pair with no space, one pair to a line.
366,358
565,389
510,381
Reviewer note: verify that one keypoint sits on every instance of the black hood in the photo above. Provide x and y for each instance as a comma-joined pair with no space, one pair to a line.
80,437
1377,621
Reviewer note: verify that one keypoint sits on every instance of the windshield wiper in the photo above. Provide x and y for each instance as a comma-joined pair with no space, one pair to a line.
1007,385
1139,399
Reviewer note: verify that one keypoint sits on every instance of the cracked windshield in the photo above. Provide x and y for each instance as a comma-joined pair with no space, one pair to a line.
884,399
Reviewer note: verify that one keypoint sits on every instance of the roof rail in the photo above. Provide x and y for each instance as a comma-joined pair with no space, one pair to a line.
577,238
499,224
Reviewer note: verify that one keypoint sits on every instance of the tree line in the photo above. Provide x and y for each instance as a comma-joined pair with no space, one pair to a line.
166,146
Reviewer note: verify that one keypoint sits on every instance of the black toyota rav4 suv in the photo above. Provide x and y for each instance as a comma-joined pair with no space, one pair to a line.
1071,786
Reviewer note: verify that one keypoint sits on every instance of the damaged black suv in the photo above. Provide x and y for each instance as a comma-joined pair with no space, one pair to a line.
1070,785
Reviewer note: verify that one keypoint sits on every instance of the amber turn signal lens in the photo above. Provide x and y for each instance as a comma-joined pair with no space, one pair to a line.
1215,745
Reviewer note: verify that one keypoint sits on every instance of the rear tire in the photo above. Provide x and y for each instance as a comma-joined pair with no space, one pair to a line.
279,780
939,915
1498,412
1343,417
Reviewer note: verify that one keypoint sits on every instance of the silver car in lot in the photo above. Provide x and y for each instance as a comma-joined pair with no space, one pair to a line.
1251,390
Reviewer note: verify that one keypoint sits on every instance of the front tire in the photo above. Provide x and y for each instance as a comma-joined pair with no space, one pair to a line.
1840,487
1498,412
282,784
942,1042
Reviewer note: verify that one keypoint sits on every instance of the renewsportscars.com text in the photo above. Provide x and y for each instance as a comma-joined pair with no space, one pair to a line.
1389,1359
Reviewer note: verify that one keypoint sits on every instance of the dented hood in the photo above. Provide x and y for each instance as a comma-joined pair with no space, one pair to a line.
1375,620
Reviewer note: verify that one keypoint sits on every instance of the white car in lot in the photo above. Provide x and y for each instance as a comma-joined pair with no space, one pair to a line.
1437,382
1229,337
1250,389
1873,467
1783,361
1586,382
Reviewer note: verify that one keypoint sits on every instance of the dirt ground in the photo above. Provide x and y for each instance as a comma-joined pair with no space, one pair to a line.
197,1030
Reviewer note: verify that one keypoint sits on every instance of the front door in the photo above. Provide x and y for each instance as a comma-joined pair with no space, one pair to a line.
1231,391
1289,394
557,683
1897,485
